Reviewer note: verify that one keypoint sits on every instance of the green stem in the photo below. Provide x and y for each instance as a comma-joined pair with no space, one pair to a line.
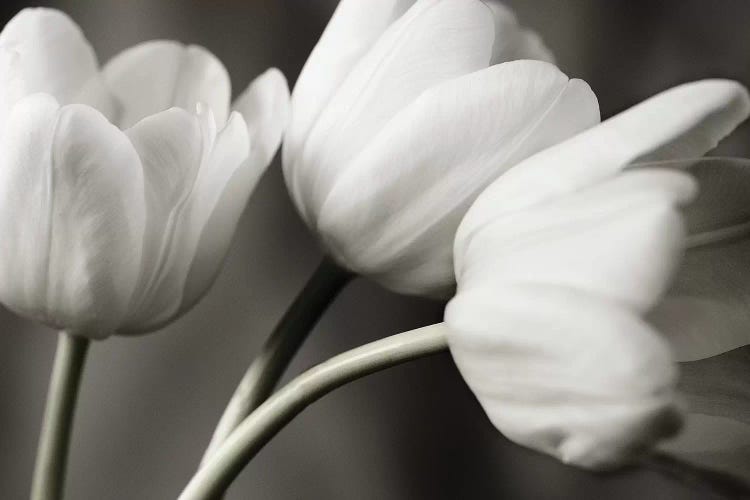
269,365
256,430
49,471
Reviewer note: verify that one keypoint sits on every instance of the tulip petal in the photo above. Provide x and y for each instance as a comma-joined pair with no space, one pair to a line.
621,239
684,122
157,75
419,175
706,311
54,57
72,215
265,107
512,41
435,41
564,372
170,146
351,32
188,167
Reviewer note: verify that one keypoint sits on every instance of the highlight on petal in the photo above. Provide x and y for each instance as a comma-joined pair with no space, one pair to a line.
565,373
683,122
265,107
157,75
706,309
418,176
72,215
54,57
351,32
512,41
187,158
435,41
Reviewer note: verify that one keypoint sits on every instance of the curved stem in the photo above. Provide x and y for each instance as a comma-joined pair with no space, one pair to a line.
257,429
269,365
49,471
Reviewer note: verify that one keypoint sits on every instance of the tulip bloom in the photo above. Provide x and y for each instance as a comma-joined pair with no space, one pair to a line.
120,188
403,114
563,323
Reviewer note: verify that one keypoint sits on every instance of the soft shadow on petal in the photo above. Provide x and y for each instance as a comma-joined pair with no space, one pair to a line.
395,210
72,258
265,107
54,55
564,372
512,41
215,157
622,240
351,32
707,308
684,122
154,76
170,147
435,41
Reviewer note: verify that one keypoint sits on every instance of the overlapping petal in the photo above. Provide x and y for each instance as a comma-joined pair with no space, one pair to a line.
397,205
71,214
154,76
546,326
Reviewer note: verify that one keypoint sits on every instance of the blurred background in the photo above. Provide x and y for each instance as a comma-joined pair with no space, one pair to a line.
148,405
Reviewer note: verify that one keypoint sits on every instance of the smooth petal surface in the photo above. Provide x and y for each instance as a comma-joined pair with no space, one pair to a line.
157,75
351,32
512,41
684,122
435,41
621,239
188,165
72,215
394,212
265,107
707,309
565,373
53,54
546,326
170,146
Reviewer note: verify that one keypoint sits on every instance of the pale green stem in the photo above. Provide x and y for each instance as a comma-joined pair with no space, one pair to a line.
269,365
256,430
52,454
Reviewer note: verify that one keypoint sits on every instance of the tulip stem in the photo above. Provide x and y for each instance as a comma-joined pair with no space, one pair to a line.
256,430
261,377
49,471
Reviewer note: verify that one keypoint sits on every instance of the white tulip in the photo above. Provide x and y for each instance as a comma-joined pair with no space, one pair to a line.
564,263
402,115
120,189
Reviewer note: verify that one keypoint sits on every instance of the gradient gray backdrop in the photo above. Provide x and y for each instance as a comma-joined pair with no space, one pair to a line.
148,405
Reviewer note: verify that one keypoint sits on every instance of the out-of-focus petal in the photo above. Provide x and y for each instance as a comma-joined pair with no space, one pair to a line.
563,372
265,107
53,54
394,212
684,122
351,32
157,75
435,41
622,240
72,216
512,41
707,309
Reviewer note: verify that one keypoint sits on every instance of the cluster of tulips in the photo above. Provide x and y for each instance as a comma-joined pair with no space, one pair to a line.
432,146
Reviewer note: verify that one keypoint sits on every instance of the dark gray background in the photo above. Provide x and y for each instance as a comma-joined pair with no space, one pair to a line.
148,404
